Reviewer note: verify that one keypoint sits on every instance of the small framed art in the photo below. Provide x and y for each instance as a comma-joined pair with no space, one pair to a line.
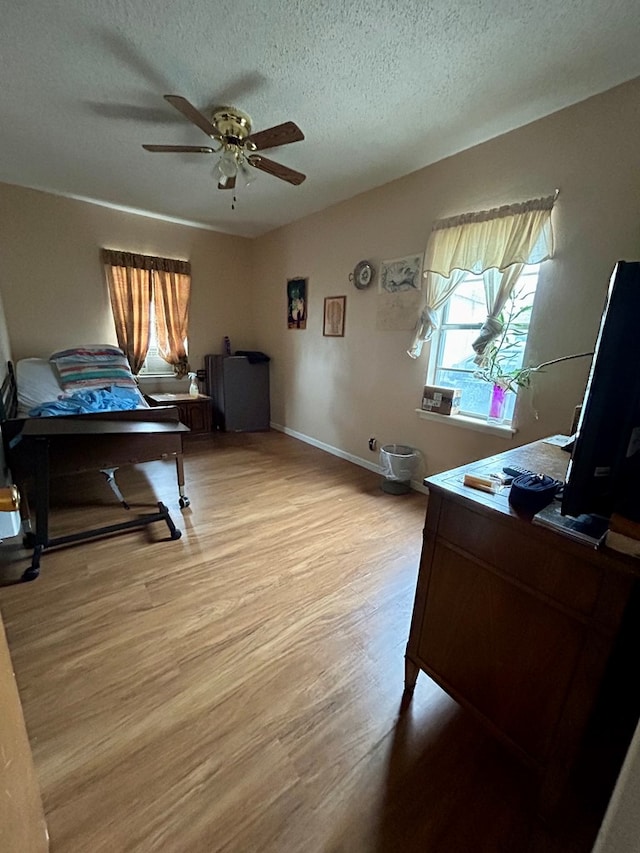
334,310
297,303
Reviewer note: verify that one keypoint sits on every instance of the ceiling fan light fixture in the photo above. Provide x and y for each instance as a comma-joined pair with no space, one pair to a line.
228,164
248,175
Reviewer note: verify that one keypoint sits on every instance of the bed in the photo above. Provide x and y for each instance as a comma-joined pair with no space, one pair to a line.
41,443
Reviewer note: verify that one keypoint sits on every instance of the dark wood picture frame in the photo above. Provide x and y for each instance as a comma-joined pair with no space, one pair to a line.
334,313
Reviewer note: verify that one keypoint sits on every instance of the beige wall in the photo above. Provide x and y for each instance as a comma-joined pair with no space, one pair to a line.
341,391
53,285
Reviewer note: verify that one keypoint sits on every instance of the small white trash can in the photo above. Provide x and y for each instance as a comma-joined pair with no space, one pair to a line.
398,464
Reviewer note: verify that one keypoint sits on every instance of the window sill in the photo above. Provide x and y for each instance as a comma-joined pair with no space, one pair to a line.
143,376
503,430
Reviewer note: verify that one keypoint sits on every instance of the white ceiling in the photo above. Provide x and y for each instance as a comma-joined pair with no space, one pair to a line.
379,89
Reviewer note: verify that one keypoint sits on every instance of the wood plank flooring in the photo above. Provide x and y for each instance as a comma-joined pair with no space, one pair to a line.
240,689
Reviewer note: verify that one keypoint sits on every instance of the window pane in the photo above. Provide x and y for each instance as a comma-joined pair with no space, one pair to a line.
476,393
456,349
467,305
154,364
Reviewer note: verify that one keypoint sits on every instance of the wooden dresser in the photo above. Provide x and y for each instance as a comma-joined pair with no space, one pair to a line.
515,621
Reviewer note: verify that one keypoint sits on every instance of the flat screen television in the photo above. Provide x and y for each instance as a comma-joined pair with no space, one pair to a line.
604,472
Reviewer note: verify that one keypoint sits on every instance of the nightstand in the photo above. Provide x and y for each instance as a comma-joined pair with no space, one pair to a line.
195,412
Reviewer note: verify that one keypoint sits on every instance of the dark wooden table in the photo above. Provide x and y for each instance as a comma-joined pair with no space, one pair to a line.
67,445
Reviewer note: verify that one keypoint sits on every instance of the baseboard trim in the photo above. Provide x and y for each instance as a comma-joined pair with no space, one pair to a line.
335,451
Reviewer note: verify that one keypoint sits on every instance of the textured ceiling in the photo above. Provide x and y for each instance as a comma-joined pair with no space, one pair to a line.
379,89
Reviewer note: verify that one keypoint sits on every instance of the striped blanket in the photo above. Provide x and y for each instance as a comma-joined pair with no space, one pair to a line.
99,366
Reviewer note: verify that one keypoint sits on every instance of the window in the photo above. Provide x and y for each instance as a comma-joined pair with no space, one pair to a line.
451,363
154,363
150,305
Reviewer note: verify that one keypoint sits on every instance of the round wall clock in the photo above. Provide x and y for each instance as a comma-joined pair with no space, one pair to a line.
363,274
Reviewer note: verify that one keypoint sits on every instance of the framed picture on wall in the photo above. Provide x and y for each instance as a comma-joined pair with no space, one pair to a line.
297,303
334,310
401,274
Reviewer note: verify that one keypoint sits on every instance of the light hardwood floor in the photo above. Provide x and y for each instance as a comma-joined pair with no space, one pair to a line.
240,689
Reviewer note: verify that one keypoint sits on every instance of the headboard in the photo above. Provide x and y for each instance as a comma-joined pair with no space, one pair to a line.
8,395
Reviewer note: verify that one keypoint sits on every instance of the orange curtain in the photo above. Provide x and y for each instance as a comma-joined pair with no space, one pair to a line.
133,279
130,294
171,293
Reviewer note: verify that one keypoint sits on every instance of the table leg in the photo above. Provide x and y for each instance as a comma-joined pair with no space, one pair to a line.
184,500
33,571
42,491
173,530
411,671
42,507
110,476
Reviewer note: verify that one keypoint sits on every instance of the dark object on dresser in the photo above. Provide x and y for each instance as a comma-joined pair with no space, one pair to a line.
239,390
532,492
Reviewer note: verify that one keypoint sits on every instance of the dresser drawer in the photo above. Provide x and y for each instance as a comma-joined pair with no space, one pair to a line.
569,580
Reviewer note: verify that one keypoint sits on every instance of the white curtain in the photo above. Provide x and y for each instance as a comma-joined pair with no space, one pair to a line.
504,239
439,289
498,286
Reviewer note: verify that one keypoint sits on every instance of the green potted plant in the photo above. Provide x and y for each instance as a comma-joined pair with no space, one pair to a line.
496,363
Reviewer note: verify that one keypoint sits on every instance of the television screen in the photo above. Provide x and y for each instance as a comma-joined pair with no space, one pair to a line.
604,471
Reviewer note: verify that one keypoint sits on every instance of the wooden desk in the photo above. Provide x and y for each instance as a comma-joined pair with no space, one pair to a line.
516,622
53,446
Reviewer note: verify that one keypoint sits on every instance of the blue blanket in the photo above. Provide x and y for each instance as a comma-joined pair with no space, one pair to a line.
83,402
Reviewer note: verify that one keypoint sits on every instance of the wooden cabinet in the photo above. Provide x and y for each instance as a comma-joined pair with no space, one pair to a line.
195,412
515,621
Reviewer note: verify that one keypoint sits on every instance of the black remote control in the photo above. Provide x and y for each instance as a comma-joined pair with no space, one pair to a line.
517,471
513,471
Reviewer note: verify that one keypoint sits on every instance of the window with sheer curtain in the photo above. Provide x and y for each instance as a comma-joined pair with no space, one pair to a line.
453,360
479,268
150,303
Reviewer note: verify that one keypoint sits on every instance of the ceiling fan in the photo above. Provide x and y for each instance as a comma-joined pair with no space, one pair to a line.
231,128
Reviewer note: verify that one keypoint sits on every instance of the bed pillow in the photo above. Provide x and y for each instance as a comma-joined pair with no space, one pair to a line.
36,380
95,366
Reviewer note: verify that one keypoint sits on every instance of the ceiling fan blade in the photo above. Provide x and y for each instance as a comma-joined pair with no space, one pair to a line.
179,149
194,115
230,184
281,134
276,169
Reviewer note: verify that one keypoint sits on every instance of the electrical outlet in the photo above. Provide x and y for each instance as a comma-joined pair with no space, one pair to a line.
373,444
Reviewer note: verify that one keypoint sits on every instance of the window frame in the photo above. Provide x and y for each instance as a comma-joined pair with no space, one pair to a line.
439,337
